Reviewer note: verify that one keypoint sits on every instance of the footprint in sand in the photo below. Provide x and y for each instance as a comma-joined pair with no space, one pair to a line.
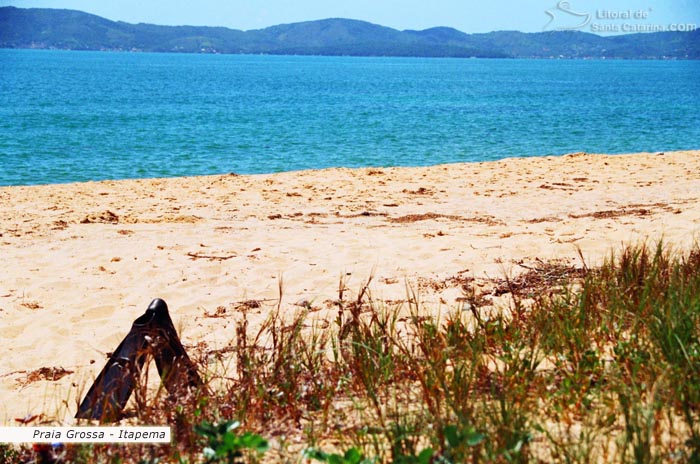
94,314
13,331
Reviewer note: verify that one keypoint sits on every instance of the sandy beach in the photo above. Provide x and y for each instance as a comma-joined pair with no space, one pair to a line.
82,261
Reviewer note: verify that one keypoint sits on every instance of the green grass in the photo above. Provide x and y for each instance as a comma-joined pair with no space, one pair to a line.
582,365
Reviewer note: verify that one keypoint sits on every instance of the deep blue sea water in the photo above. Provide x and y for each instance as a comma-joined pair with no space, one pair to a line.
76,116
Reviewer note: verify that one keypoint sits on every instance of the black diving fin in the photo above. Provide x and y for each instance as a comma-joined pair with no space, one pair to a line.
151,334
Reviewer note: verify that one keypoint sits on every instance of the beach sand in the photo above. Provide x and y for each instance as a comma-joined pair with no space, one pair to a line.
82,261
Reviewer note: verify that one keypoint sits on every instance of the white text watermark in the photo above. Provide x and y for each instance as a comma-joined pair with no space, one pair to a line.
565,17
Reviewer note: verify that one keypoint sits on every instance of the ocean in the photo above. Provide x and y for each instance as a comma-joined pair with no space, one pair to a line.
68,116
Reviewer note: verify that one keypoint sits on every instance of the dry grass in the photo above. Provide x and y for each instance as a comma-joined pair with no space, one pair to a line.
604,369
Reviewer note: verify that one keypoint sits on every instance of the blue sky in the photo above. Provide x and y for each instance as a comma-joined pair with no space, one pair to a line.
465,15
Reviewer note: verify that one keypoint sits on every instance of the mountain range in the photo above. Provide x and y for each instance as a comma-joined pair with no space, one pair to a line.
76,30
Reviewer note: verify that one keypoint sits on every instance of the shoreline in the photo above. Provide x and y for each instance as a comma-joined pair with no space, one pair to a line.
332,168
85,259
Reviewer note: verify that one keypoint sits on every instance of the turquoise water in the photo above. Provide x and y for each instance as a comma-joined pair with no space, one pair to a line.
76,116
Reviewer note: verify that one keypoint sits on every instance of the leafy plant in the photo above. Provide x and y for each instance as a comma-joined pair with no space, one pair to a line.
351,456
224,445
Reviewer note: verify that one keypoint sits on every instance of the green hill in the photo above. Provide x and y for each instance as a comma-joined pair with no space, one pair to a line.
75,30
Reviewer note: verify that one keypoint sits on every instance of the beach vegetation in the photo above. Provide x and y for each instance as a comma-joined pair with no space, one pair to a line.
572,364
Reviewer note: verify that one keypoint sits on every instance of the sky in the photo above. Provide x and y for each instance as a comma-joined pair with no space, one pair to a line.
471,16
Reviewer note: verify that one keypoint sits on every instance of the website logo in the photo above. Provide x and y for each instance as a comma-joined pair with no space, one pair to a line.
563,18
